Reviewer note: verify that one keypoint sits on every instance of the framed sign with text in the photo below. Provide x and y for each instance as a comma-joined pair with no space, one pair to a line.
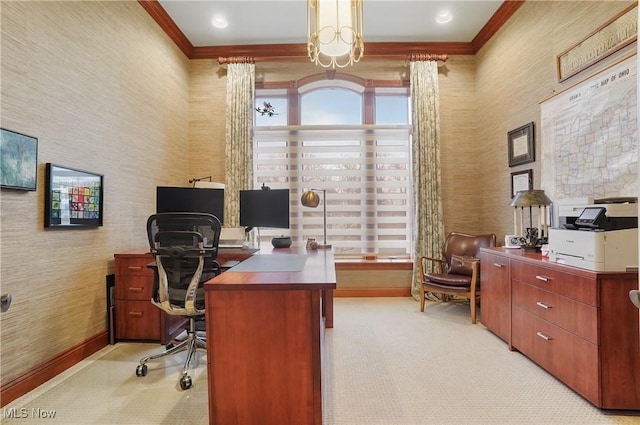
521,147
521,180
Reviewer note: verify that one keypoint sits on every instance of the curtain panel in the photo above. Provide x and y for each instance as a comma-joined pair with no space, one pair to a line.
429,237
239,141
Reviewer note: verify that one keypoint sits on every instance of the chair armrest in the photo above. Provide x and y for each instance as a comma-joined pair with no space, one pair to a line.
431,264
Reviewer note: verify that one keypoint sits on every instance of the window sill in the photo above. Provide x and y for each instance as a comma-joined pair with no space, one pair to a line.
373,264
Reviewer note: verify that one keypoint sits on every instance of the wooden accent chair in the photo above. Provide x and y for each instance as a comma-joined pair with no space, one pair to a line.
457,273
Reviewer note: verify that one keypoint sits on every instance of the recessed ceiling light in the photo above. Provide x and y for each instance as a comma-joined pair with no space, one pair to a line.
219,22
443,18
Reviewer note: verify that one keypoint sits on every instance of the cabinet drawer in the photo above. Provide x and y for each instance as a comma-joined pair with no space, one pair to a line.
134,287
137,320
134,266
495,289
578,318
569,285
569,358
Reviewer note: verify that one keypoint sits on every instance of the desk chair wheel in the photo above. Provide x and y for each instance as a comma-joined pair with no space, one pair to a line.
185,382
141,370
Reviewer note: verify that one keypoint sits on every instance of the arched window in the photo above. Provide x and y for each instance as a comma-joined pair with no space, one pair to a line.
354,144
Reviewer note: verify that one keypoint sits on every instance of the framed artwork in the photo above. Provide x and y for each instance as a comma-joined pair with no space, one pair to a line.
521,147
19,160
521,180
613,35
73,198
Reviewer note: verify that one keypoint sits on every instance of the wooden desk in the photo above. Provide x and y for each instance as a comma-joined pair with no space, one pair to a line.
265,337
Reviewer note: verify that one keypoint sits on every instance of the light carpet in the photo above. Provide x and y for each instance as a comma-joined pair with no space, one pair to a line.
386,363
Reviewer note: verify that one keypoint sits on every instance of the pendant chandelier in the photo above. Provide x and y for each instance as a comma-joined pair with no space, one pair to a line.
334,32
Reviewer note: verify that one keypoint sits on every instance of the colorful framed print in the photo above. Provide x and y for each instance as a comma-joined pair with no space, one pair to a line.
73,198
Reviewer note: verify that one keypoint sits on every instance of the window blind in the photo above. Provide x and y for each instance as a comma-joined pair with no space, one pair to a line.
366,172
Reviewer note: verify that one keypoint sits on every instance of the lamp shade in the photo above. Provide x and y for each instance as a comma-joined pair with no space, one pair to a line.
334,36
530,198
310,199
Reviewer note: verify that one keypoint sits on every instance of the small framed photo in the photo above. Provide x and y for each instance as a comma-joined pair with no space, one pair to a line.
19,164
521,180
521,145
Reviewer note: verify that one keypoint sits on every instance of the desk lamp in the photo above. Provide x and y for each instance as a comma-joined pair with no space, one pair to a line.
311,199
533,238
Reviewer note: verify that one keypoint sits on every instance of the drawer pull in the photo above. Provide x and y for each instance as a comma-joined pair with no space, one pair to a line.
134,289
135,313
543,305
135,267
498,265
543,278
543,336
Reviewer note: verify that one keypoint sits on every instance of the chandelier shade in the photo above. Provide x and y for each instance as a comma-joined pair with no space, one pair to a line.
334,32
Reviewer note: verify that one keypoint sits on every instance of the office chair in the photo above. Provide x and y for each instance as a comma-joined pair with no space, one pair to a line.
457,273
185,248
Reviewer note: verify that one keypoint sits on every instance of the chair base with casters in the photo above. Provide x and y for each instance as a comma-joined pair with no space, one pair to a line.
184,246
457,273
192,343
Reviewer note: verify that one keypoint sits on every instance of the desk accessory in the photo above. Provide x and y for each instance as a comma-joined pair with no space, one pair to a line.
281,241
511,241
311,199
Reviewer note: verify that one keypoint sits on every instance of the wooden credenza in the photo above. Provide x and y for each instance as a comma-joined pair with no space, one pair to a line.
577,324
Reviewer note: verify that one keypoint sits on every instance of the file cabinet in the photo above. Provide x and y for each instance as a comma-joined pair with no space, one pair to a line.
577,324
136,318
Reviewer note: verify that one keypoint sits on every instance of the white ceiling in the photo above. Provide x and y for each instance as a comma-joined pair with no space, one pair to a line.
285,21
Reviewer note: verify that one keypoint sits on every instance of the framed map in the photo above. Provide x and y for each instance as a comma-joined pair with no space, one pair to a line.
590,136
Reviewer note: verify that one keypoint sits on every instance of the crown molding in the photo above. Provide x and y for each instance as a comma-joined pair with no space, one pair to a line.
502,15
298,52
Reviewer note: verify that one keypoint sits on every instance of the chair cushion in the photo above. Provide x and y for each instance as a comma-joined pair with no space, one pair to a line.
446,280
462,265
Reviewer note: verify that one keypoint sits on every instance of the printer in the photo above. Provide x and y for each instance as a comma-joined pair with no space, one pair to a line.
599,235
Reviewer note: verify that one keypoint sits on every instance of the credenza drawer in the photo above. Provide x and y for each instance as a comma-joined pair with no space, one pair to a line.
134,266
568,357
137,320
576,317
134,288
566,284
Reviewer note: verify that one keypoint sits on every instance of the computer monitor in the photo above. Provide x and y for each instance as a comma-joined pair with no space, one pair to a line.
190,199
264,208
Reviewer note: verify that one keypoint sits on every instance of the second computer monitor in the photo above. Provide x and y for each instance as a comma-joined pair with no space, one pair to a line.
190,199
264,208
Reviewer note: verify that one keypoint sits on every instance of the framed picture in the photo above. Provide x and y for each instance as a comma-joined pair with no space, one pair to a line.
521,180
19,160
613,35
520,145
73,198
